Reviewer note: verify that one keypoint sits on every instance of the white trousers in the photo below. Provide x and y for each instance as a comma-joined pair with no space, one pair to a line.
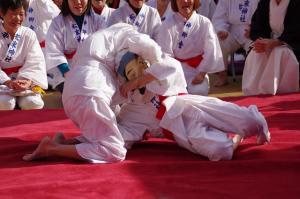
101,140
199,124
271,72
8,102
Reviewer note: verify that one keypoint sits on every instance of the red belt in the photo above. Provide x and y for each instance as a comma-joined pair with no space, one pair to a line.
43,44
192,62
11,70
160,113
70,55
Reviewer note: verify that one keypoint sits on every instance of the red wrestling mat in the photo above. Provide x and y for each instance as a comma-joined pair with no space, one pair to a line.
157,168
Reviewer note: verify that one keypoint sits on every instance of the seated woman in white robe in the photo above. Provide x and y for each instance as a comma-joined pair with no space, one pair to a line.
272,66
143,17
191,39
22,63
67,31
232,20
88,93
39,16
158,105
100,8
163,7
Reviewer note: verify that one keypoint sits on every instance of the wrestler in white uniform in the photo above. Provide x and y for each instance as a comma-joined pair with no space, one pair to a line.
91,84
198,123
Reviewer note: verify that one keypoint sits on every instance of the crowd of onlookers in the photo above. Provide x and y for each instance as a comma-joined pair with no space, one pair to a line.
39,41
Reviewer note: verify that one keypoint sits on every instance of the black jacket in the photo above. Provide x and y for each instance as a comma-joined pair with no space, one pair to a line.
260,26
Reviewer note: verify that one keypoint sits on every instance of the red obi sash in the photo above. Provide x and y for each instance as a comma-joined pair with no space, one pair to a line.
11,70
43,44
192,62
160,113
70,55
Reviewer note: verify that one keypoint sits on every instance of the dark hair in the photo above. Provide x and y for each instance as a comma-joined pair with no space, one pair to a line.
6,5
175,7
65,10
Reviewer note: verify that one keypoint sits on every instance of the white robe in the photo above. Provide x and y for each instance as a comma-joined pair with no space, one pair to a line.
28,55
147,21
61,40
25,52
201,39
199,124
207,8
275,71
39,16
168,12
91,84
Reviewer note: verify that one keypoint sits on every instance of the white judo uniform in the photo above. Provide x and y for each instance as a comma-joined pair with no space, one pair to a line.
62,40
92,82
21,57
147,21
234,17
168,12
207,8
275,71
39,16
198,123
192,41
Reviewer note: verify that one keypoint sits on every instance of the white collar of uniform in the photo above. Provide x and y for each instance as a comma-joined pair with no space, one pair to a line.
2,30
130,10
179,18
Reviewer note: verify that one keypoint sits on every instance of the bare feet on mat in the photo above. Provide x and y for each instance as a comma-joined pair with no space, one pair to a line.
221,79
264,138
41,151
237,139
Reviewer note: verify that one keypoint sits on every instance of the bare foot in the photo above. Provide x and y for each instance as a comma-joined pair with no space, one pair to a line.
41,151
59,138
264,138
264,135
237,139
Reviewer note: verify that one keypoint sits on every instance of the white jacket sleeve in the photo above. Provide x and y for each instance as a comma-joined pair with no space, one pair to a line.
221,16
164,39
34,67
126,37
3,77
169,75
55,45
212,57
48,8
144,46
